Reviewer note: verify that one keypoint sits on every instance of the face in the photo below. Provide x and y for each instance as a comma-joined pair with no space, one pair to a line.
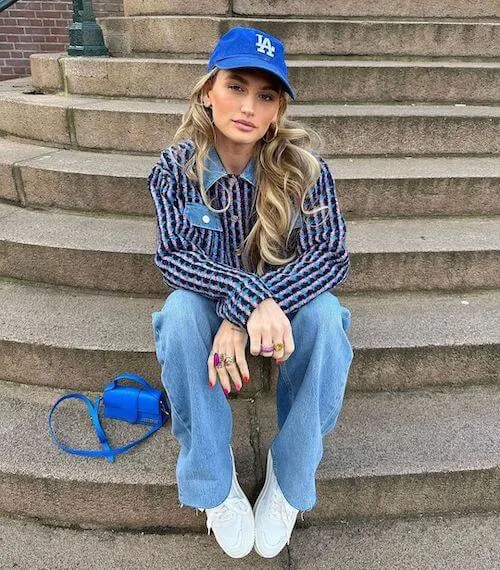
245,103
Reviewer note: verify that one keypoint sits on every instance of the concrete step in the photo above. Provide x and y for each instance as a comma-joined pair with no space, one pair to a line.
423,543
377,8
27,545
100,182
70,338
85,122
116,253
197,35
150,7
444,81
458,473
318,8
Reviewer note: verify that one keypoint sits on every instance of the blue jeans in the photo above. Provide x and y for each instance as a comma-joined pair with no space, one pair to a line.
309,395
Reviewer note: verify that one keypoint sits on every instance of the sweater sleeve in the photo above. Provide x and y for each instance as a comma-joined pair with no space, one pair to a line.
183,262
323,261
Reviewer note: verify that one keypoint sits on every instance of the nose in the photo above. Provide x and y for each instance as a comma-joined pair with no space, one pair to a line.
247,106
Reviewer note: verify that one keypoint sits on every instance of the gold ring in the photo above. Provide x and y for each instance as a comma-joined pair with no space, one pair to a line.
278,346
228,360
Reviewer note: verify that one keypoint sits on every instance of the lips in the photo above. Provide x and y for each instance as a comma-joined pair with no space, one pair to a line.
246,123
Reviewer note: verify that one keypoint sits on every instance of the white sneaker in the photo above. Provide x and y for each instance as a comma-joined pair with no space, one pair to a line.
232,521
274,516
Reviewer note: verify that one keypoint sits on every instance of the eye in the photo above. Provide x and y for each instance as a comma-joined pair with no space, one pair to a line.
234,87
268,97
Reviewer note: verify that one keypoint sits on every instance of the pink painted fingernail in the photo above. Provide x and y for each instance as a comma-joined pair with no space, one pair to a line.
280,361
226,391
246,379
211,385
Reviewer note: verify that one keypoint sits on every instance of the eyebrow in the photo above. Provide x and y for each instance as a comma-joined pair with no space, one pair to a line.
233,75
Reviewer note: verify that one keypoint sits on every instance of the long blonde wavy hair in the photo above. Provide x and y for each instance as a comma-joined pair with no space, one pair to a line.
285,170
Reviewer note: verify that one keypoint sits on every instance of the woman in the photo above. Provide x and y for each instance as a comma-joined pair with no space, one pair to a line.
248,262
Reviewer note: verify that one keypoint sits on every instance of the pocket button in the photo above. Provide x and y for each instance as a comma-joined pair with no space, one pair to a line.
206,219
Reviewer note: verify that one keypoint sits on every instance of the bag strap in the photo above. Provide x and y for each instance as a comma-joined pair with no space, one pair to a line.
93,409
131,376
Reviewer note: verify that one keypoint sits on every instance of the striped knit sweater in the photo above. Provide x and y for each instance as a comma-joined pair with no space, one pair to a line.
196,248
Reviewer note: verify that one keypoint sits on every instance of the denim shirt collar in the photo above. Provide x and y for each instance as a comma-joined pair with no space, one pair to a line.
214,169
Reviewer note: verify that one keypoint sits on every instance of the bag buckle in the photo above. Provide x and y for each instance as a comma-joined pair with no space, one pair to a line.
163,409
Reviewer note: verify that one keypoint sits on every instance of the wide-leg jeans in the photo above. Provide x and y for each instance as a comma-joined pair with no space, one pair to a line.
309,396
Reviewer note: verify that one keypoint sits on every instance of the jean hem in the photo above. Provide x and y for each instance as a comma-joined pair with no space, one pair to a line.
293,504
185,503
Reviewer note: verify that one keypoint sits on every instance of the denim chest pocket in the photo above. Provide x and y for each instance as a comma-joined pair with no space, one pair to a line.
202,217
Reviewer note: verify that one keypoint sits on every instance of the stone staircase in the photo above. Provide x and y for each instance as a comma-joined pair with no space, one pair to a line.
405,96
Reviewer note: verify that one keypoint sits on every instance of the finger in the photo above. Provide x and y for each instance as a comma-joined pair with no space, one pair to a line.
212,374
279,350
212,371
234,374
289,344
267,341
242,364
255,341
223,375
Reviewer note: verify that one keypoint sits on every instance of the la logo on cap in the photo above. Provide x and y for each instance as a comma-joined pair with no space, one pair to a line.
264,45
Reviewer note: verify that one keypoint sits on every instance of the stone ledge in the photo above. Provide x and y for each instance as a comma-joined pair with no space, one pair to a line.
104,182
155,7
84,122
115,253
400,340
197,35
375,8
387,470
425,543
356,80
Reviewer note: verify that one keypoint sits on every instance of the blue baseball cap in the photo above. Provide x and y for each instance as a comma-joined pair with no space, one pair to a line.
250,47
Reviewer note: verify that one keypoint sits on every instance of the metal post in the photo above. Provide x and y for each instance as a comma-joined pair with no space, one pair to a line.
85,35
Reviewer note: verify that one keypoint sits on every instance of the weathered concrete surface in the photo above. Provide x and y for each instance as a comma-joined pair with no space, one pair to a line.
355,80
116,183
441,543
86,122
11,153
346,8
46,71
303,36
397,453
116,253
80,339
138,490
431,543
423,451
151,7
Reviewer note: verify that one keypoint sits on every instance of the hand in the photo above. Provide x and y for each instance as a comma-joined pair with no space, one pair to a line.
269,325
230,340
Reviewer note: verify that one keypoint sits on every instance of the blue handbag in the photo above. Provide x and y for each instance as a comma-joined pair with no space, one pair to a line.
136,405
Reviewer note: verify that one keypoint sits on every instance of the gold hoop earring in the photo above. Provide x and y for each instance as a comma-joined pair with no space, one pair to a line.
275,134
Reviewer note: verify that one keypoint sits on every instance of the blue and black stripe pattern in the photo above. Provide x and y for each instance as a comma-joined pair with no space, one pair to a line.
196,248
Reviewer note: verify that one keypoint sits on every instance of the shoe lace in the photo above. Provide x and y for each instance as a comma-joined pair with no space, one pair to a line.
226,511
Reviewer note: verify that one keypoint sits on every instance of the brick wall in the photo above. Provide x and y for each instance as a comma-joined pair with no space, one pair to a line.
30,26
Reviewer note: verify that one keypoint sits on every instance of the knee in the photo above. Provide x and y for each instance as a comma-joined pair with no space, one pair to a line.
181,311
182,305
326,313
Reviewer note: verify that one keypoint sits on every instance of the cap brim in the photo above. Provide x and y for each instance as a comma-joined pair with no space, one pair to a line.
246,61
